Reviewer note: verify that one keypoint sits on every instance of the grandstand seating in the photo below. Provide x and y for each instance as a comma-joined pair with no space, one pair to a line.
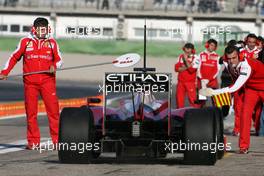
202,6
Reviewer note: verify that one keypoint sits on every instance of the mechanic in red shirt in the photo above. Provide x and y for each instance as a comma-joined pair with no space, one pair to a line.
238,95
252,51
39,52
209,65
186,68
251,76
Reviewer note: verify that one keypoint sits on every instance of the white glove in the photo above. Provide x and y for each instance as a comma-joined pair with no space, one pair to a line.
204,83
206,92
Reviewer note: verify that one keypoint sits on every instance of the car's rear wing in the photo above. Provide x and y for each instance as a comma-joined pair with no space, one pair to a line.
145,83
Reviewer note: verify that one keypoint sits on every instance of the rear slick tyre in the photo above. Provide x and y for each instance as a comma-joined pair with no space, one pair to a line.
199,130
76,128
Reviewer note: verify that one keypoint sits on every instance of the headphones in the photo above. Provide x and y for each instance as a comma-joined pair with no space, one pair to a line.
193,50
206,45
241,56
33,30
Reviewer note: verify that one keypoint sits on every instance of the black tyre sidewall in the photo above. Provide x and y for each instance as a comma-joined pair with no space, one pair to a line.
199,127
76,127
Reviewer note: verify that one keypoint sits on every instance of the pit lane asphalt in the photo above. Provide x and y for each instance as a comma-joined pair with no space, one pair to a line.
27,163
13,90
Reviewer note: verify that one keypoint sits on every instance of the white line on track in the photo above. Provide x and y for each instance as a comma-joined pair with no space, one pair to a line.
18,145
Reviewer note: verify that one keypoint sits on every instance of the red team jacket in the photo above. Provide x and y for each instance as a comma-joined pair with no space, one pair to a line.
256,77
251,54
209,66
188,75
251,75
38,55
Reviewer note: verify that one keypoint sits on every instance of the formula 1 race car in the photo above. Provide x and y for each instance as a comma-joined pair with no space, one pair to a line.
134,118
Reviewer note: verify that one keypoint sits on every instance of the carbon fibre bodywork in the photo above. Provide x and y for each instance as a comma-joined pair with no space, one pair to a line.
153,126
